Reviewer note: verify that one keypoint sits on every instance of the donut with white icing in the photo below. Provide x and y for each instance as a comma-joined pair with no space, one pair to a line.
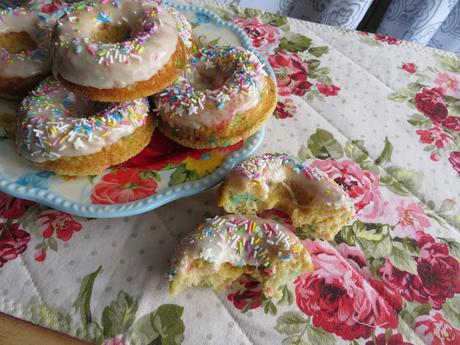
225,97
316,204
118,50
73,136
223,248
25,39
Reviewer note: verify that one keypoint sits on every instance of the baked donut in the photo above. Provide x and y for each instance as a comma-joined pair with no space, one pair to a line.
118,51
25,39
315,203
226,97
72,136
223,248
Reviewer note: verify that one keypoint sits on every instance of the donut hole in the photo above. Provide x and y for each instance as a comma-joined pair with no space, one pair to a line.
17,42
210,78
107,33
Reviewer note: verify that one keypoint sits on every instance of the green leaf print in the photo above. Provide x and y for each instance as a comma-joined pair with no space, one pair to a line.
52,244
318,51
142,332
420,121
385,155
322,145
181,175
355,150
119,315
166,320
54,318
295,43
269,306
318,336
404,180
451,311
29,217
397,97
408,333
290,323
273,19
287,297
294,340
401,259
451,63
150,174
83,301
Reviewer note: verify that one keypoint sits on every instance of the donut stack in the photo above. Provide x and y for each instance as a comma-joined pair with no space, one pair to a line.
87,75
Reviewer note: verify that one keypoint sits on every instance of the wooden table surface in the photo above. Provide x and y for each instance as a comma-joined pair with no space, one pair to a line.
17,332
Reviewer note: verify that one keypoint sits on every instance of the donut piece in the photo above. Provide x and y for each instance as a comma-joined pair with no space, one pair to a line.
315,203
72,136
226,97
223,248
25,39
118,51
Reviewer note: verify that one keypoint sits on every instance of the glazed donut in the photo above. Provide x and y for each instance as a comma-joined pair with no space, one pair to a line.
75,137
315,203
223,248
226,97
118,50
25,38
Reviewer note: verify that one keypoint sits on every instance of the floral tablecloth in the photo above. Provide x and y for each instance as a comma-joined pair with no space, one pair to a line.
380,116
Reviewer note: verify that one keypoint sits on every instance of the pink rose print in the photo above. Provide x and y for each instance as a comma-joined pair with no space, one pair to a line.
328,90
262,35
387,39
408,217
395,339
291,73
123,186
436,136
449,84
454,159
40,256
438,274
409,67
119,340
452,122
246,294
13,242
11,207
431,103
338,299
362,186
436,330
285,108
61,223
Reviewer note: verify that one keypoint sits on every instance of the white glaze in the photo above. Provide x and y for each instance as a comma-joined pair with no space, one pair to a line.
28,64
230,239
296,177
77,58
80,126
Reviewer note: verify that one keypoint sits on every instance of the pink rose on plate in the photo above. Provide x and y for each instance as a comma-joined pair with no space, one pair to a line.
285,108
436,330
438,274
431,103
454,159
436,136
61,223
291,73
262,35
449,83
338,299
362,186
328,90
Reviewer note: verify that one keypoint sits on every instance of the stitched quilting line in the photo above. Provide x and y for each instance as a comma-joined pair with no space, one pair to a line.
234,319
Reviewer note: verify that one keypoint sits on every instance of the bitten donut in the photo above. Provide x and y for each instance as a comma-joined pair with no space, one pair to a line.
118,50
223,248
226,97
25,39
72,136
314,202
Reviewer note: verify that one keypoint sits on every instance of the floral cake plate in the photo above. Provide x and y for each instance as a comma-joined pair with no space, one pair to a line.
163,172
